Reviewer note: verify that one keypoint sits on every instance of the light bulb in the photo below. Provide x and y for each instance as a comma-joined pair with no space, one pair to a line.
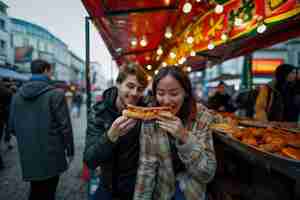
190,40
168,33
211,46
149,67
261,28
224,37
149,78
134,42
198,0
172,55
219,9
187,7
143,41
182,60
189,69
159,51
164,64
193,53
156,72
238,22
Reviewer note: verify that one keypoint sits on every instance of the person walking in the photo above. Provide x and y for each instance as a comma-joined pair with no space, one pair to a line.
112,140
40,120
5,98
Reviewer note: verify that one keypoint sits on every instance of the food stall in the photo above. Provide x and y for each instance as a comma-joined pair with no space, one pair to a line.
195,34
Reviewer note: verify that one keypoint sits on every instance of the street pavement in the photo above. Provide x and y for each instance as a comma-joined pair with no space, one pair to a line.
12,187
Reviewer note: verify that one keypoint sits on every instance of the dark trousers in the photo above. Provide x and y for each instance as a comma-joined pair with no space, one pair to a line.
44,189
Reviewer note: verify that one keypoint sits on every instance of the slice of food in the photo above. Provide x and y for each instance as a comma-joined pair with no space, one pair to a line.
145,113
291,153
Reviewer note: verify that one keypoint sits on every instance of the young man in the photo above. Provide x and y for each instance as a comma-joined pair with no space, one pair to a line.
40,120
112,140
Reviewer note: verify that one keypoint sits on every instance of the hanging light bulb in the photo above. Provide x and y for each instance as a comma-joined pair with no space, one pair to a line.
219,9
193,53
261,28
182,60
143,41
149,67
134,42
156,72
238,22
164,64
198,1
187,7
211,46
168,33
224,37
159,51
189,69
172,55
190,40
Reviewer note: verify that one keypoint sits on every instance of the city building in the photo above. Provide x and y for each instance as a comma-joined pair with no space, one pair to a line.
32,41
6,47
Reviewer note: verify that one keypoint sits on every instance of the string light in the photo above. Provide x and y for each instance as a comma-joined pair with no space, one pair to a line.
164,64
156,72
261,28
134,42
149,67
159,51
211,46
190,40
168,33
143,41
189,69
187,7
219,9
193,53
172,55
238,22
224,37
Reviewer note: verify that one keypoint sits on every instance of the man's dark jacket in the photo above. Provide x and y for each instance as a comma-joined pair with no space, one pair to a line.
118,161
40,120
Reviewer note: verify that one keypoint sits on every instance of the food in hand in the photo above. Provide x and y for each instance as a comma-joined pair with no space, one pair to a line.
146,113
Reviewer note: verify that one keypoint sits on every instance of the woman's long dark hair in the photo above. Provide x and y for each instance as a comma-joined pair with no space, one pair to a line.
188,109
281,74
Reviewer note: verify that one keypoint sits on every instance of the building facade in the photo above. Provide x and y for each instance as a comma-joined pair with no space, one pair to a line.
6,47
32,41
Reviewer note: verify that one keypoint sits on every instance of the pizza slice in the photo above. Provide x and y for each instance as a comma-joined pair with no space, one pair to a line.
145,113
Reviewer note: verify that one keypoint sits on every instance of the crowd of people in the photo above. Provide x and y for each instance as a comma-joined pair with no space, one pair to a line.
170,158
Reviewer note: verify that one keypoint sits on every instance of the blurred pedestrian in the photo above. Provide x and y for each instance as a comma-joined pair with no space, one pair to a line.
220,100
5,98
279,100
76,104
40,120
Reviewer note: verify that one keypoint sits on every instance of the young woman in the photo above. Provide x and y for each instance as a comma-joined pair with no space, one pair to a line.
177,157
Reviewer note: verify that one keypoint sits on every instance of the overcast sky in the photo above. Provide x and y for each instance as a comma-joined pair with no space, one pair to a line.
64,19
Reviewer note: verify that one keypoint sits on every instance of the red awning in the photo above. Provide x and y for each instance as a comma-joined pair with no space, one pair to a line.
125,24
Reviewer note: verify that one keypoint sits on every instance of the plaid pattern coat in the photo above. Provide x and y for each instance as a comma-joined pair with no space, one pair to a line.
156,178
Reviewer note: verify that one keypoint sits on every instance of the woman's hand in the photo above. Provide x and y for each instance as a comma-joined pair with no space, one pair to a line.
173,125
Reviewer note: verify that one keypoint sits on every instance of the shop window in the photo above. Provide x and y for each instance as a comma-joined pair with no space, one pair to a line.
2,24
2,45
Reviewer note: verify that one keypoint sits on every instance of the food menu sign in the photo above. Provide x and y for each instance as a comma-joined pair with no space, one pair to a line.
231,20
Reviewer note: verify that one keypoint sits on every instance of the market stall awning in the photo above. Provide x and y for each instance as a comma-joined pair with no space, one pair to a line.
154,33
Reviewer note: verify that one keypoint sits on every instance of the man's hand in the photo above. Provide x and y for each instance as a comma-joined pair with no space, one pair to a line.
121,126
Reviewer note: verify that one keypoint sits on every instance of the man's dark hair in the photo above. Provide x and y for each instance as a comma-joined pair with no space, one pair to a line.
39,66
131,69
